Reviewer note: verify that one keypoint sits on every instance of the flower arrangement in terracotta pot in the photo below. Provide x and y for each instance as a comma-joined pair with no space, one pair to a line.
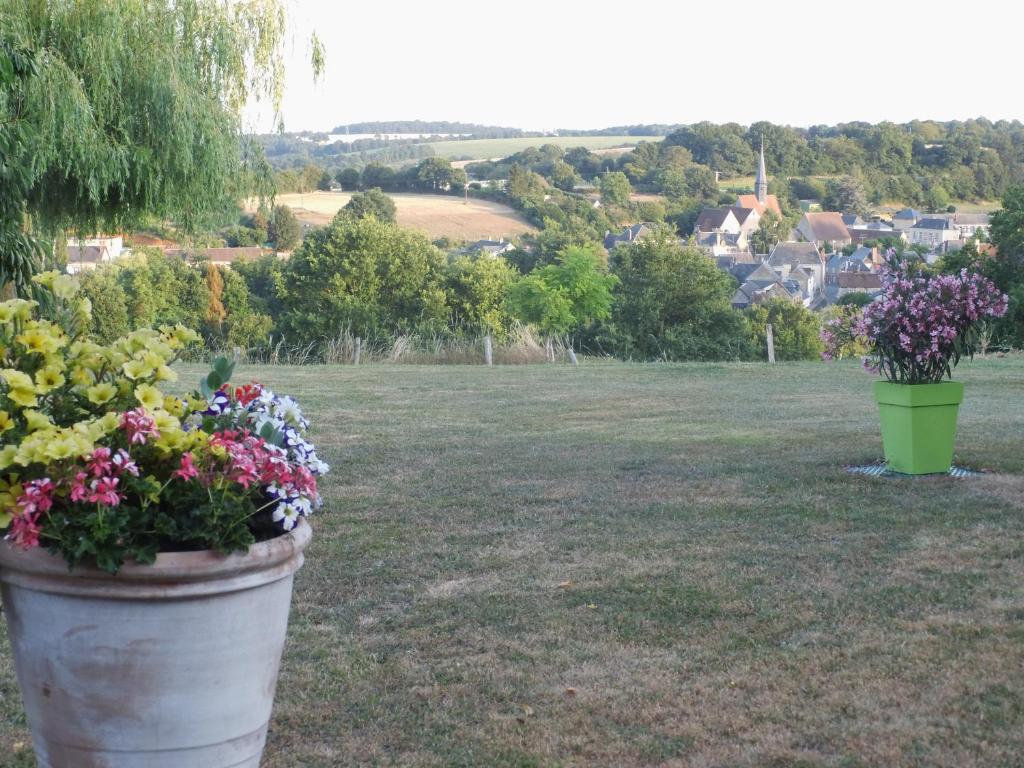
151,540
917,330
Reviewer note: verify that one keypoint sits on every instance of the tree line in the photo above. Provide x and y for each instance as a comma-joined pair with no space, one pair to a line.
364,276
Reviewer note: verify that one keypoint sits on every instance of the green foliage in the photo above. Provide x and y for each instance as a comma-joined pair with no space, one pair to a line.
477,287
672,304
1006,266
565,296
555,237
771,230
615,188
795,329
372,202
846,194
240,236
109,304
854,299
363,275
348,178
284,229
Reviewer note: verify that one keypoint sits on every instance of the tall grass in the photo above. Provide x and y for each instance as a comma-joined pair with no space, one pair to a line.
519,347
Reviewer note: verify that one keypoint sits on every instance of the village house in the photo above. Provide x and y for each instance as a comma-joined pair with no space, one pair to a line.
905,219
87,253
864,260
717,220
787,257
933,232
874,230
492,248
971,224
852,220
628,235
718,244
824,229
858,282
764,284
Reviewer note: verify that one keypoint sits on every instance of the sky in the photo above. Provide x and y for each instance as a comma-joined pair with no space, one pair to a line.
571,64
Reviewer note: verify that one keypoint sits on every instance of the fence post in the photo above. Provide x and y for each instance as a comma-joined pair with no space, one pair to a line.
488,351
771,343
572,355
238,354
357,350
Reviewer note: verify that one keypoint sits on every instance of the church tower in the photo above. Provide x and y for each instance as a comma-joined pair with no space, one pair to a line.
761,183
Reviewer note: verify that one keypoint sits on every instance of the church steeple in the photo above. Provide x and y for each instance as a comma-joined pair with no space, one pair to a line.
761,183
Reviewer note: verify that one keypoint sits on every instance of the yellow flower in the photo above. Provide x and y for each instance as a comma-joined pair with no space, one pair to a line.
26,398
82,376
10,490
7,454
196,403
48,379
174,406
16,379
63,286
137,369
150,397
16,308
42,338
110,421
6,422
45,279
36,420
166,373
55,362
101,393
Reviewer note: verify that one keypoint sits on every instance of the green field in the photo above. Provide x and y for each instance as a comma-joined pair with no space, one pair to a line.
484,149
630,565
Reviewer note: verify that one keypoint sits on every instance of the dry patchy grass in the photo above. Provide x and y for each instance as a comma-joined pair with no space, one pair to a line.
623,565
433,215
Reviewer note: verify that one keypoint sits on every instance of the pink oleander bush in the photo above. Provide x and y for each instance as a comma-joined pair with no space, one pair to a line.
920,326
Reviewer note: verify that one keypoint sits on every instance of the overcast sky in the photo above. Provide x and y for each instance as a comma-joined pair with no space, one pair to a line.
571,64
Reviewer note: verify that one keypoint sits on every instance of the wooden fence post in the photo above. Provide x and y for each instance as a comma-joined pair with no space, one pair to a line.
357,350
771,343
488,351
572,355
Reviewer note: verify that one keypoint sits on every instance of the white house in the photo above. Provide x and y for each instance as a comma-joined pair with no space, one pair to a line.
89,252
933,232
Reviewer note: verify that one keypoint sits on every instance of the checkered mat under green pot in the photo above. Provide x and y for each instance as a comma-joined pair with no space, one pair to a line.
880,469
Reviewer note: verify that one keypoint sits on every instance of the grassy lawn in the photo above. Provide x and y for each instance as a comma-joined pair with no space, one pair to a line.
645,565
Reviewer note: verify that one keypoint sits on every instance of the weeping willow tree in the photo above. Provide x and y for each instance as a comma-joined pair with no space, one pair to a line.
112,111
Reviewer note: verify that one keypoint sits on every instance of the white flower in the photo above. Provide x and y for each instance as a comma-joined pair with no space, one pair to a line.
287,514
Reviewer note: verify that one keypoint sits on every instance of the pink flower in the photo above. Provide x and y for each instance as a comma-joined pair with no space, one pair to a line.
37,496
124,465
99,462
186,470
24,530
103,490
139,426
79,490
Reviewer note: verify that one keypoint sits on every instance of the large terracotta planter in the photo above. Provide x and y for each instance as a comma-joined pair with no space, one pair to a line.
171,665
919,425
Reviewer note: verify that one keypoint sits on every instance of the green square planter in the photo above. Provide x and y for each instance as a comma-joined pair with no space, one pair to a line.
919,425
